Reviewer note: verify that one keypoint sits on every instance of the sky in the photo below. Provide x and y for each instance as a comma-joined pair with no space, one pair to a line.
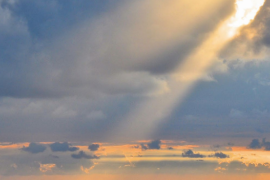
142,89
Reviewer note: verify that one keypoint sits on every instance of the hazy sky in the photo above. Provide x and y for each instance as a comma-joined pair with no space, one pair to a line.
134,88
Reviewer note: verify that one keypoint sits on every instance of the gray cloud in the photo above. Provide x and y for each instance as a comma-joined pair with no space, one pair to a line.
266,144
190,154
93,147
144,147
220,155
255,144
83,155
80,53
154,144
62,147
151,145
34,148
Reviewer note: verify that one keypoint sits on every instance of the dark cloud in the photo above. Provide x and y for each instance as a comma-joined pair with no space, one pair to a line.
266,144
62,147
255,144
144,147
93,147
220,155
154,144
34,148
189,153
151,145
170,148
83,155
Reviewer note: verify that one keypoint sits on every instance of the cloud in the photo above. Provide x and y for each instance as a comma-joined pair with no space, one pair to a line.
83,155
34,148
253,41
62,63
62,147
151,145
154,144
144,147
81,53
220,155
189,153
266,144
93,147
46,167
255,144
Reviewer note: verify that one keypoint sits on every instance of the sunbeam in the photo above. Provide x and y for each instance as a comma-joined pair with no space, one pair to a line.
143,120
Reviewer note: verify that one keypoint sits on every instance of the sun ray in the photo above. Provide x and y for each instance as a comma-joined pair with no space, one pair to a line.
144,119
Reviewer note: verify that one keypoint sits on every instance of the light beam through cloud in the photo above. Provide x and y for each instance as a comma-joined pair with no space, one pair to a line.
143,120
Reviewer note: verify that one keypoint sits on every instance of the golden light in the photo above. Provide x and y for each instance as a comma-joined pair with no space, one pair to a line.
196,65
246,11
144,119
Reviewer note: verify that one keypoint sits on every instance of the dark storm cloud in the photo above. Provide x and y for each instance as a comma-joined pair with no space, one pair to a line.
190,154
93,147
83,155
34,148
62,147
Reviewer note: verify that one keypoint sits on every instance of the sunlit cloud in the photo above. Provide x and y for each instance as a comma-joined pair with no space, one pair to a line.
46,167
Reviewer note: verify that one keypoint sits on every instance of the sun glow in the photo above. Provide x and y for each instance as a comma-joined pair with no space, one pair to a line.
195,66
246,11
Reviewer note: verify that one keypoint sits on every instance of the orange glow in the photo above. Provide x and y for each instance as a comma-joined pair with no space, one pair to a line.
146,177
13,146
240,148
